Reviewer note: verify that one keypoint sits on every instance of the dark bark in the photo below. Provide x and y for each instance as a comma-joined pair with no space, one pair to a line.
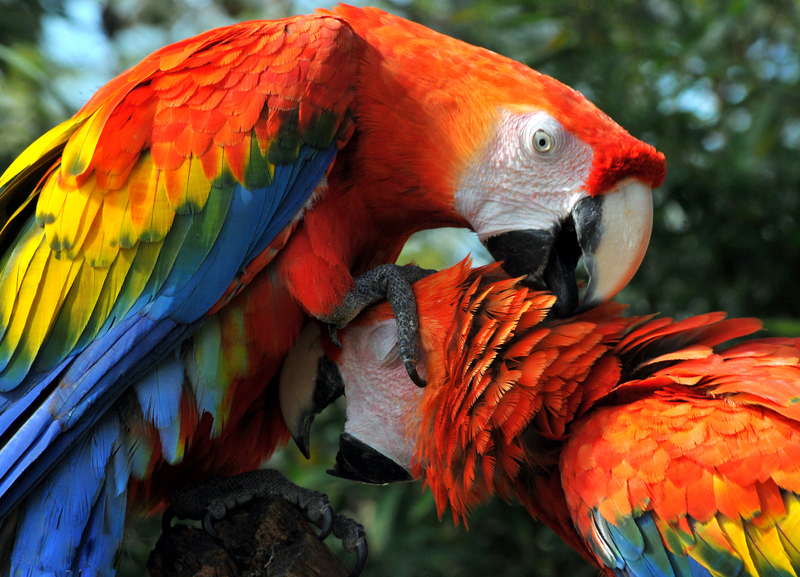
267,537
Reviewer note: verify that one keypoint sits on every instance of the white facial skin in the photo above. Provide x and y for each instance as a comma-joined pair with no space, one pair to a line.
529,177
380,396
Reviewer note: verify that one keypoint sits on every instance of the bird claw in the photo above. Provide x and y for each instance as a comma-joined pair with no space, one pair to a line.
362,553
327,523
393,283
354,540
207,526
411,368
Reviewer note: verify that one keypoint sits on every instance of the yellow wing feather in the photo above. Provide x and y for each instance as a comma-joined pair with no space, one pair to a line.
28,282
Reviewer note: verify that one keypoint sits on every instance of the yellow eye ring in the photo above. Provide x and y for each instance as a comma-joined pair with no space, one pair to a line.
542,141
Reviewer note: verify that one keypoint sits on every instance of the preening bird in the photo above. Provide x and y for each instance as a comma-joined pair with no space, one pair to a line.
648,445
161,249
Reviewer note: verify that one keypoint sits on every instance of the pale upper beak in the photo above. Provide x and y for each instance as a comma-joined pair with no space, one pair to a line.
610,231
614,243
308,383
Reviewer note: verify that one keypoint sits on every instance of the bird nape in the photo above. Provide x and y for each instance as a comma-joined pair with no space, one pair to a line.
649,446
167,242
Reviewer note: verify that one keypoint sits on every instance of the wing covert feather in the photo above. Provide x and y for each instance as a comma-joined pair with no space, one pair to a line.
719,483
169,155
132,219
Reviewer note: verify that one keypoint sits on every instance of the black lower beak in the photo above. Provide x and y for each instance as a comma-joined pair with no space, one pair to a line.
358,461
610,231
559,274
524,253
547,259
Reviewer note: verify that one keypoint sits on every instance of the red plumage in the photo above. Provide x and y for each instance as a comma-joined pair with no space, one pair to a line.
602,425
202,204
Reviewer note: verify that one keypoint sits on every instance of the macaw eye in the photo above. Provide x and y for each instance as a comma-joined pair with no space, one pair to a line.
542,141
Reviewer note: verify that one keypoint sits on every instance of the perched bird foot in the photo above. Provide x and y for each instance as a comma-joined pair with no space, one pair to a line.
354,540
212,499
393,283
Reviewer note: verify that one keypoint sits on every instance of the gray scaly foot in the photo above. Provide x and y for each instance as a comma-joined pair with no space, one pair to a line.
393,283
210,500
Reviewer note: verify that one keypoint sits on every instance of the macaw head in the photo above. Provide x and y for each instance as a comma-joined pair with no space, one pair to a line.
468,432
376,445
556,181
535,169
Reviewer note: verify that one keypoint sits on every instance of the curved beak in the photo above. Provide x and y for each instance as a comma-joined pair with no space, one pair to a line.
611,231
373,448
309,381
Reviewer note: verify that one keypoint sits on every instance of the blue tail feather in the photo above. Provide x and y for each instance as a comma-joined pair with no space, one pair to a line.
65,514
42,441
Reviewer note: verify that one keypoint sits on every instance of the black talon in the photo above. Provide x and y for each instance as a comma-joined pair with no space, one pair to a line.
166,519
411,367
327,523
208,527
362,552
333,332
353,540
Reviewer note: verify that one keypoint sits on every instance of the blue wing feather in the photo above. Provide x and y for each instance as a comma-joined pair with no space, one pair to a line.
638,550
102,539
159,391
54,518
221,265
57,423
696,569
305,180
58,443
20,399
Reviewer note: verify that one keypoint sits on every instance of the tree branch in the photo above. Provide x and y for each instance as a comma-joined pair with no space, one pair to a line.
267,537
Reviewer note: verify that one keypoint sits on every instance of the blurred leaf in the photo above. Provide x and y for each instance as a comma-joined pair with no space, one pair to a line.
782,327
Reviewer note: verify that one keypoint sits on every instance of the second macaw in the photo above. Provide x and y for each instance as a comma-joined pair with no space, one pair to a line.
646,444
161,249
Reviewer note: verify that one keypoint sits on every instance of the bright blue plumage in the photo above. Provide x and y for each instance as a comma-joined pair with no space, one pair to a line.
68,457
79,514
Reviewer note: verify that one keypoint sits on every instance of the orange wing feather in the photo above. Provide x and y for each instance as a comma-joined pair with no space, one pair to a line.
674,454
169,137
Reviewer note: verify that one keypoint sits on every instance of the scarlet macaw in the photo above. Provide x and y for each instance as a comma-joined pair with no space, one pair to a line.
646,445
160,249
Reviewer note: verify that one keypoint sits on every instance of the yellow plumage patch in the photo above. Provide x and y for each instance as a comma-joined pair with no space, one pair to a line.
19,295
187,187
151,213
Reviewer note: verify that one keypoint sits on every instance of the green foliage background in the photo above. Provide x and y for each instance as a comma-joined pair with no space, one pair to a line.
714,85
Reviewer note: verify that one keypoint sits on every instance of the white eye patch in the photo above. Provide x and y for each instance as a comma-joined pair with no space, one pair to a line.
529,177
